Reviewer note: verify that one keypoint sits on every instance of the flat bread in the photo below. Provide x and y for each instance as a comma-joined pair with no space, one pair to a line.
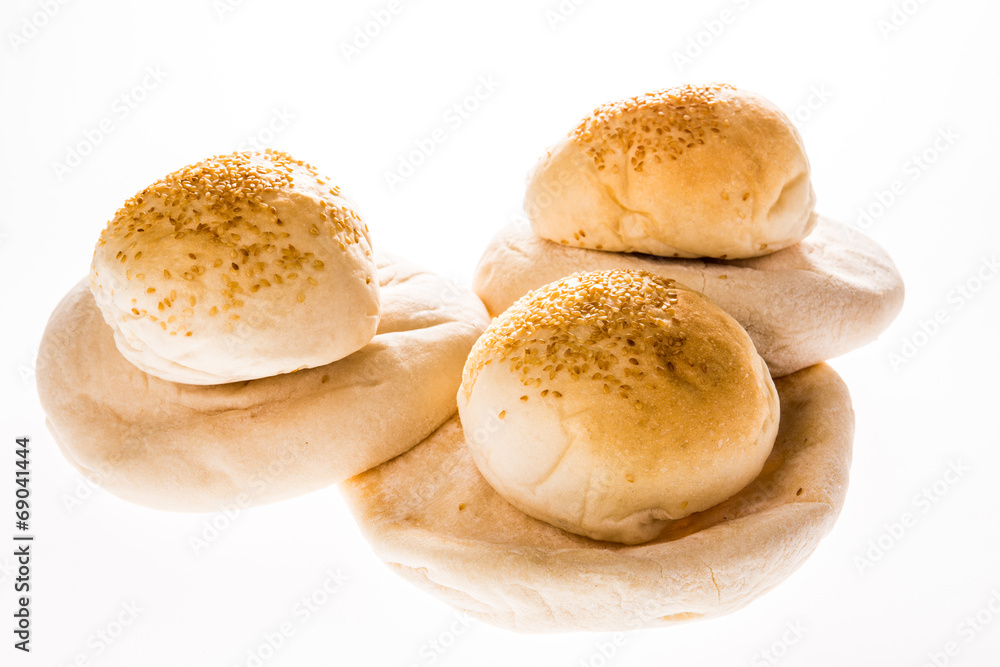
829,294
200,447
432,517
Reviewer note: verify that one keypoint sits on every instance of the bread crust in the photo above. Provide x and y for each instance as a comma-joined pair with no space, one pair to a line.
690,171
238,267
831,293
432,517
610,403
198,448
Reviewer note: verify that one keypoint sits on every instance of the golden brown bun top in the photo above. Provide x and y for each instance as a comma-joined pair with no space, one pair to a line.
691,171
665,123
608,403
236,267
602,322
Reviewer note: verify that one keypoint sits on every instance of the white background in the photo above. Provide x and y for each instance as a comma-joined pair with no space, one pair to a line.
881,94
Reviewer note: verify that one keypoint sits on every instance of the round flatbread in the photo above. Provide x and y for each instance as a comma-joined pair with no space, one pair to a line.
432,517
829,294
200,447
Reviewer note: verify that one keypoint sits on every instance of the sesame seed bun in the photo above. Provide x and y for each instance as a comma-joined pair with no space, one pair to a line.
438,523
691,171
609,404
831,293
185,447
237,267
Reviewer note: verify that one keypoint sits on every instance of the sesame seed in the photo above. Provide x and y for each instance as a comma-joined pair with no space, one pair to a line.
666,122
607,321
226,205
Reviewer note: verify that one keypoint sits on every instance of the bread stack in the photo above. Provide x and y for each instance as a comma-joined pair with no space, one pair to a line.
646,433
709,186
238,340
